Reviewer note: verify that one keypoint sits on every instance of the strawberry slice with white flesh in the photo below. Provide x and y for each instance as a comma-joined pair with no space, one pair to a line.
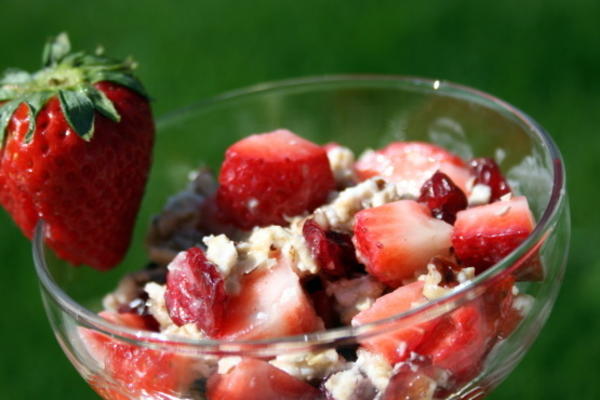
485,234
402,337
137,370
396,240
411,163
253,379
271,303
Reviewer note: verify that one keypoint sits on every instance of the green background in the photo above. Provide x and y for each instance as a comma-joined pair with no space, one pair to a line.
542,56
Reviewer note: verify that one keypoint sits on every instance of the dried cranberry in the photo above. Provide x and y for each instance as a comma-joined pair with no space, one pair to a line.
333,251
195,291
448,269
443,197
487,172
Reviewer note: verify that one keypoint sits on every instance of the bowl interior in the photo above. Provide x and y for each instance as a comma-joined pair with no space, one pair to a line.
358,112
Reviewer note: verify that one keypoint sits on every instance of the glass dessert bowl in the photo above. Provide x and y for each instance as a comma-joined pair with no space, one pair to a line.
359,112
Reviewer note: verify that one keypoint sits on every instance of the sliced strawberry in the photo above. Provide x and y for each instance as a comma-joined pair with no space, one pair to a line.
195,291
463,338
485,234
443,197
269,176
333,251
135,370
487,172
459,342
411,164
253,379
400,338
271,303
396,240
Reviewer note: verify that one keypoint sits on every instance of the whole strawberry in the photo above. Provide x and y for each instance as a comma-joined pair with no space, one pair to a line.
76,144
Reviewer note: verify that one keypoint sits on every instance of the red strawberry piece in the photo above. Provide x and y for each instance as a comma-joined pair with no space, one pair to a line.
134,370
411,164
396,240
462,339
255,379
333,251
267,177
459,342
485,234
271,303
487,172
443,197
400,338
195,292
75,149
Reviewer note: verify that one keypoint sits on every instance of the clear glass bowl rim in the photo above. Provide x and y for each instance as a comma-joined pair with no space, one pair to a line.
158,340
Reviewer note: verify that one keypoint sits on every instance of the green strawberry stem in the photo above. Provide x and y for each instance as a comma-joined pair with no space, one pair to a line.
71,78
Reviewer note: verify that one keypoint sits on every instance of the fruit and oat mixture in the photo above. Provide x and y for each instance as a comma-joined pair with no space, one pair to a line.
294,238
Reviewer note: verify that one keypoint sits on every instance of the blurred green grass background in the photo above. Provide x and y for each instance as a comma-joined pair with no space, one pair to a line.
542,56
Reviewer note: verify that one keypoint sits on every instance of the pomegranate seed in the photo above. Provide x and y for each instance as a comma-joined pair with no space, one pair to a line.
195,291
333,251
443,197
487,172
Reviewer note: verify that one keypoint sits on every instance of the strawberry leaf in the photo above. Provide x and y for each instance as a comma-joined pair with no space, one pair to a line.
56,49
78,110
103,104
6,111
122,79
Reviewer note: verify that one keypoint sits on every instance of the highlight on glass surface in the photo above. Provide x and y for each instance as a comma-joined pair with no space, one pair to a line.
417,257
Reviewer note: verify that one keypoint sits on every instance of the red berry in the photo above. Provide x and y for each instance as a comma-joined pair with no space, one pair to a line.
459,342
271,303
333,251
411,164
195,292
487,172
267,177
402,337
82,168
396,240
254,379
443,197
134,370
485,234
